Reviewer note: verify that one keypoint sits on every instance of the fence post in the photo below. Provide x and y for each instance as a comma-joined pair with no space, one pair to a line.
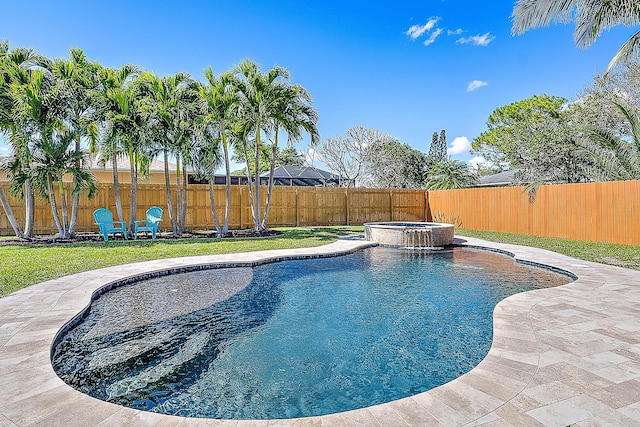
346,205
390,205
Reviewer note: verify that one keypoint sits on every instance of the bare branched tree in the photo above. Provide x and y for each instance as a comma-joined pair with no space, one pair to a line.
350,156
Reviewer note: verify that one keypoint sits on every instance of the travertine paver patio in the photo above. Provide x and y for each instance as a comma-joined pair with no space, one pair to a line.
562,356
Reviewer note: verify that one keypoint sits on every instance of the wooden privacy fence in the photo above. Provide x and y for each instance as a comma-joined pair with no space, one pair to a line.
598,211
290,206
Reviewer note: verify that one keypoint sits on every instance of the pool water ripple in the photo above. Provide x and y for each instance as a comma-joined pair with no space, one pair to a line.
297,338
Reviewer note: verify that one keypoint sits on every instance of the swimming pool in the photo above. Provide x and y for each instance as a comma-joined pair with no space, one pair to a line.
295,338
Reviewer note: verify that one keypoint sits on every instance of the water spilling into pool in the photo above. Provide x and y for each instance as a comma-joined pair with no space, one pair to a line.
295,338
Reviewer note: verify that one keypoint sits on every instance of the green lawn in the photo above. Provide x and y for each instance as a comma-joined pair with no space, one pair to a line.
25,265
605,253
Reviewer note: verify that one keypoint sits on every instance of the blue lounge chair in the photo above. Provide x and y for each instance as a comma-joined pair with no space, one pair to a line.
104,220
151,223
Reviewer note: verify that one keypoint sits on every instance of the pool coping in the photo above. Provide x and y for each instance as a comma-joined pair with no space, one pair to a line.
559,356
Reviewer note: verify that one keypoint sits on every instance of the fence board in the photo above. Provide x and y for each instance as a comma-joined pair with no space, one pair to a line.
598,211
290,206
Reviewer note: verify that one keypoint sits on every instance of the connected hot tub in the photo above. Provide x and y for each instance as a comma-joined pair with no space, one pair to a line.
410,234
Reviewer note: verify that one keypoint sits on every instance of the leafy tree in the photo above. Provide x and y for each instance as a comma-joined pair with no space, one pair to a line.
397,165
515,125
539,137
438,147
289,156
596,105
591,17
449,175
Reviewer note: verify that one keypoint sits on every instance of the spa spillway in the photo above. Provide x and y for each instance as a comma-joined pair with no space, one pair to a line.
428,235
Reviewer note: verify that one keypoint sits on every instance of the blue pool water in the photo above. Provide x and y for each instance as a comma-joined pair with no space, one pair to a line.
295,338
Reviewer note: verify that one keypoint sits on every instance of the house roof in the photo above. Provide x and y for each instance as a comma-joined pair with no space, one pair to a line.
301,172
302,176
156,165
498,179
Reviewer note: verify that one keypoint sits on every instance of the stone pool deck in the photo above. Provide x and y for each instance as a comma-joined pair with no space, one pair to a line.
563,356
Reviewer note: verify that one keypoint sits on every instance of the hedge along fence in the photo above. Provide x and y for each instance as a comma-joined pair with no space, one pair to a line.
599,211
290,206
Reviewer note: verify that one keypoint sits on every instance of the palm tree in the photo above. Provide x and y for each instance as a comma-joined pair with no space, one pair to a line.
591,17
41,115
259,97
614,158
115,102
53,156
6,125
77,79
220,99
449,175
170,104
16,66
295,115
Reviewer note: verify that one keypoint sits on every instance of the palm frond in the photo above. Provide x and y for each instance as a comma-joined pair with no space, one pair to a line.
630,51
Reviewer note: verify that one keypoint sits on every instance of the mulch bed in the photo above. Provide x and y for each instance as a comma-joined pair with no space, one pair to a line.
95,237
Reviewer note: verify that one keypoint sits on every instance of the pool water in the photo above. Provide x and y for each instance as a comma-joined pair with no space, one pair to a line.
295,338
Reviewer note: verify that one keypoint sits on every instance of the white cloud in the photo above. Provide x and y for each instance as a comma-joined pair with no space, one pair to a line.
475,84
433,36
454,32
476,161
5,149
459,145
416,31
477,40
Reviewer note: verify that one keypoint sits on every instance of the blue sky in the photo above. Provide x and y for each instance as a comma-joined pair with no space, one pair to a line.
408,68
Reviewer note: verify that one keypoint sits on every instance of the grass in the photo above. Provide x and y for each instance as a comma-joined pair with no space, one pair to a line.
627,256
25,265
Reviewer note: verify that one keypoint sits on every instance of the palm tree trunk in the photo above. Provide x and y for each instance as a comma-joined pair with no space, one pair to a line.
65,212
54,207
249,185
179,225
76,197
133,161
256,193
274,152
9,213
116,185
75,203
227,166
167,184
29,205
183,210
214,211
